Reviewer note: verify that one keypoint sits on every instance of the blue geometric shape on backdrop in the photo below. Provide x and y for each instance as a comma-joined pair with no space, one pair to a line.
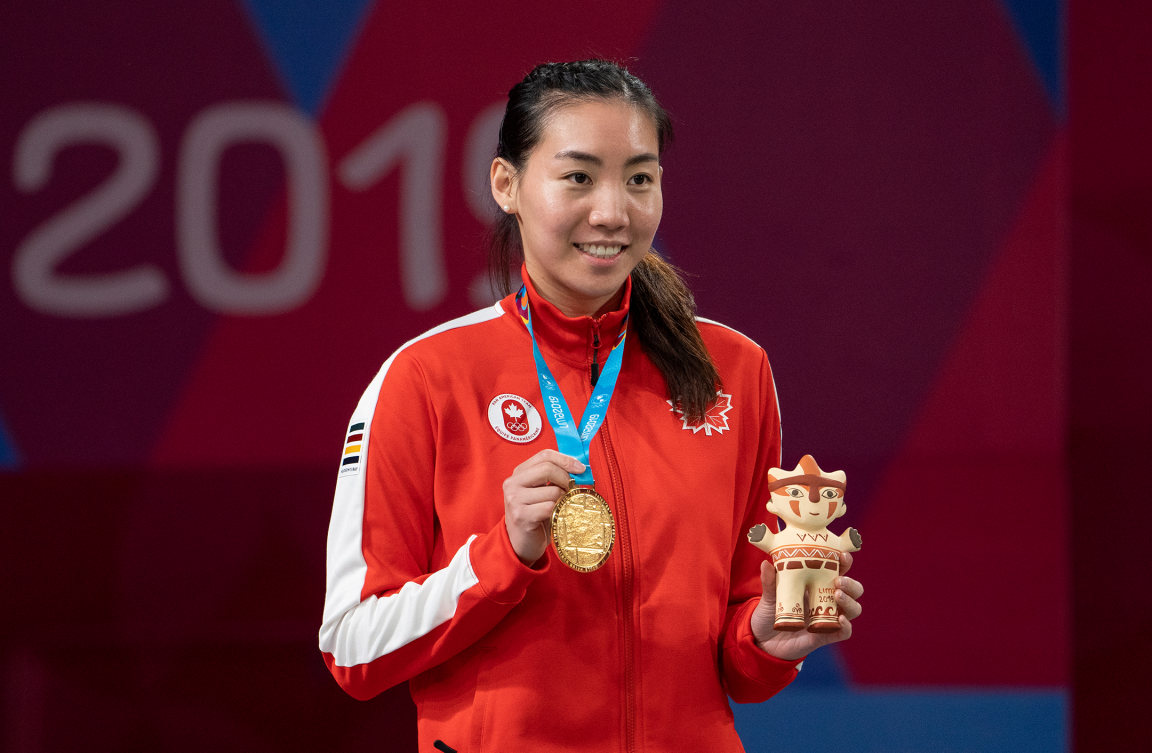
823,669
1040,23
9,458
931,719
308,41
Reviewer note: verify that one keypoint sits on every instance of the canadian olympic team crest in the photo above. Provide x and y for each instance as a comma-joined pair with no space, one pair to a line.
514,418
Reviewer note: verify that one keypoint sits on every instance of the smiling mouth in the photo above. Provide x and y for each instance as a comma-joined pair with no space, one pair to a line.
600,252
813,513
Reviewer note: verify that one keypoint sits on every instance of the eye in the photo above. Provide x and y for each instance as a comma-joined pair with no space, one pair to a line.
640,179
795,492
829,494
580,178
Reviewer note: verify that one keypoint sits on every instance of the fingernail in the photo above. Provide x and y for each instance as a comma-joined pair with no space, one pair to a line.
579,465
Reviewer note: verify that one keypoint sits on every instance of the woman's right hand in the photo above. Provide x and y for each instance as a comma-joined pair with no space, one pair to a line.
530,493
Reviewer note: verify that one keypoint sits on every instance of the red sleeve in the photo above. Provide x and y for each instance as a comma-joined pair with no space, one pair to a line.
389,614
749,674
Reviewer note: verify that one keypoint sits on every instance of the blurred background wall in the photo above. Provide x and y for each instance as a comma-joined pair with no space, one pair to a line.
218,217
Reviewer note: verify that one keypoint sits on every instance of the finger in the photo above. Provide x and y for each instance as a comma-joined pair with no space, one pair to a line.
823,639
845,562
542,474
849,607
567,462
530,518
530,498
853,588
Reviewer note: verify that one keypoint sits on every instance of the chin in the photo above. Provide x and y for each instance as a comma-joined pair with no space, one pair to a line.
593,292
598,283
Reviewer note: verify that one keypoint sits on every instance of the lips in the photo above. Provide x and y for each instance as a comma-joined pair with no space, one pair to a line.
600,251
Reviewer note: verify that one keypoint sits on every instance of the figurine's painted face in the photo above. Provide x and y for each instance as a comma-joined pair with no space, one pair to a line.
807,497
796,505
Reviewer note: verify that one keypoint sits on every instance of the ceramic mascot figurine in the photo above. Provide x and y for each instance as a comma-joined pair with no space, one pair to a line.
806,556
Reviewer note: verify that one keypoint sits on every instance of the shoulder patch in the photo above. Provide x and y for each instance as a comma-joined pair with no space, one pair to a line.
353,443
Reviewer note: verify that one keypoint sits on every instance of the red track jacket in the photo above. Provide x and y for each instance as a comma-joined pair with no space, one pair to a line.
423,583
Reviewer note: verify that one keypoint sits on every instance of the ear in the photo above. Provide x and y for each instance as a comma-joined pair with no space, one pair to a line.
840,510
501,175
772,505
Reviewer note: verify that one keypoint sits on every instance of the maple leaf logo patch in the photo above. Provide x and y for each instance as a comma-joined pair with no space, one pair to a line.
514,418
715,419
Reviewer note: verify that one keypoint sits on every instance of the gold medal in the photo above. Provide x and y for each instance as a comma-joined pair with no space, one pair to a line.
583,529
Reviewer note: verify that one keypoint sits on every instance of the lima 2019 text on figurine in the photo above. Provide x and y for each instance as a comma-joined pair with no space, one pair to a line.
805,554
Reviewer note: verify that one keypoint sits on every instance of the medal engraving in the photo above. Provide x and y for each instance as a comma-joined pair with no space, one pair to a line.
583,529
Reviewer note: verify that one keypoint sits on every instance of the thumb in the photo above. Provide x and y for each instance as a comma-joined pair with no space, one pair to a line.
764,615
768,582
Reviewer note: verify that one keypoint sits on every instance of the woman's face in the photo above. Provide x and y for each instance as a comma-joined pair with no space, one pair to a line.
588,203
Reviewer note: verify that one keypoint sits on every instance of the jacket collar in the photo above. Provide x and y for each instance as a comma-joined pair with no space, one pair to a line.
571,338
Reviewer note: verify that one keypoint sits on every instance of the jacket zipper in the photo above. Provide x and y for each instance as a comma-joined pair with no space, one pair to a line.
626,557
629,576
595,374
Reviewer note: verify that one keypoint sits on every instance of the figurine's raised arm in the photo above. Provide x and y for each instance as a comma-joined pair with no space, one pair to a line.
761,538
850,540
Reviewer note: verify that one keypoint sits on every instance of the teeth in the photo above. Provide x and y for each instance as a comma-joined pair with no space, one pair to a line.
600,252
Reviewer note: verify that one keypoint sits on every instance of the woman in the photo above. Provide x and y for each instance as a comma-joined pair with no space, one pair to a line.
439,566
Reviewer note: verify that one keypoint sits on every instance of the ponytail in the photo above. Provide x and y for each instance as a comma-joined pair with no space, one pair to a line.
663,314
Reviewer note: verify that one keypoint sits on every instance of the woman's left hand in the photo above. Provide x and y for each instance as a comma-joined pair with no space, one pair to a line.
792,646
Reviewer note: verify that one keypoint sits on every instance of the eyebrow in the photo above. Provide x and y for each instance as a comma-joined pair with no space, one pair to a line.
592,158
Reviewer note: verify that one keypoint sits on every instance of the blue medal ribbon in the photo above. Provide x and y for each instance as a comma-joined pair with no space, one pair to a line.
568,440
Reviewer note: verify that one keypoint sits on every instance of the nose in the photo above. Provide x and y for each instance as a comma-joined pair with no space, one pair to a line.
609,208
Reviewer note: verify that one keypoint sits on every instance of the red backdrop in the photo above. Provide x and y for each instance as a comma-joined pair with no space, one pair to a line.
220,217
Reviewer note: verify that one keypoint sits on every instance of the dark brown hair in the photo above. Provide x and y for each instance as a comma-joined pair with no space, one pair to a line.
663,312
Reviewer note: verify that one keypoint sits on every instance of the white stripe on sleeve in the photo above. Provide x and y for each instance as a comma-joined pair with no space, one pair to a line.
380,626
353,630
